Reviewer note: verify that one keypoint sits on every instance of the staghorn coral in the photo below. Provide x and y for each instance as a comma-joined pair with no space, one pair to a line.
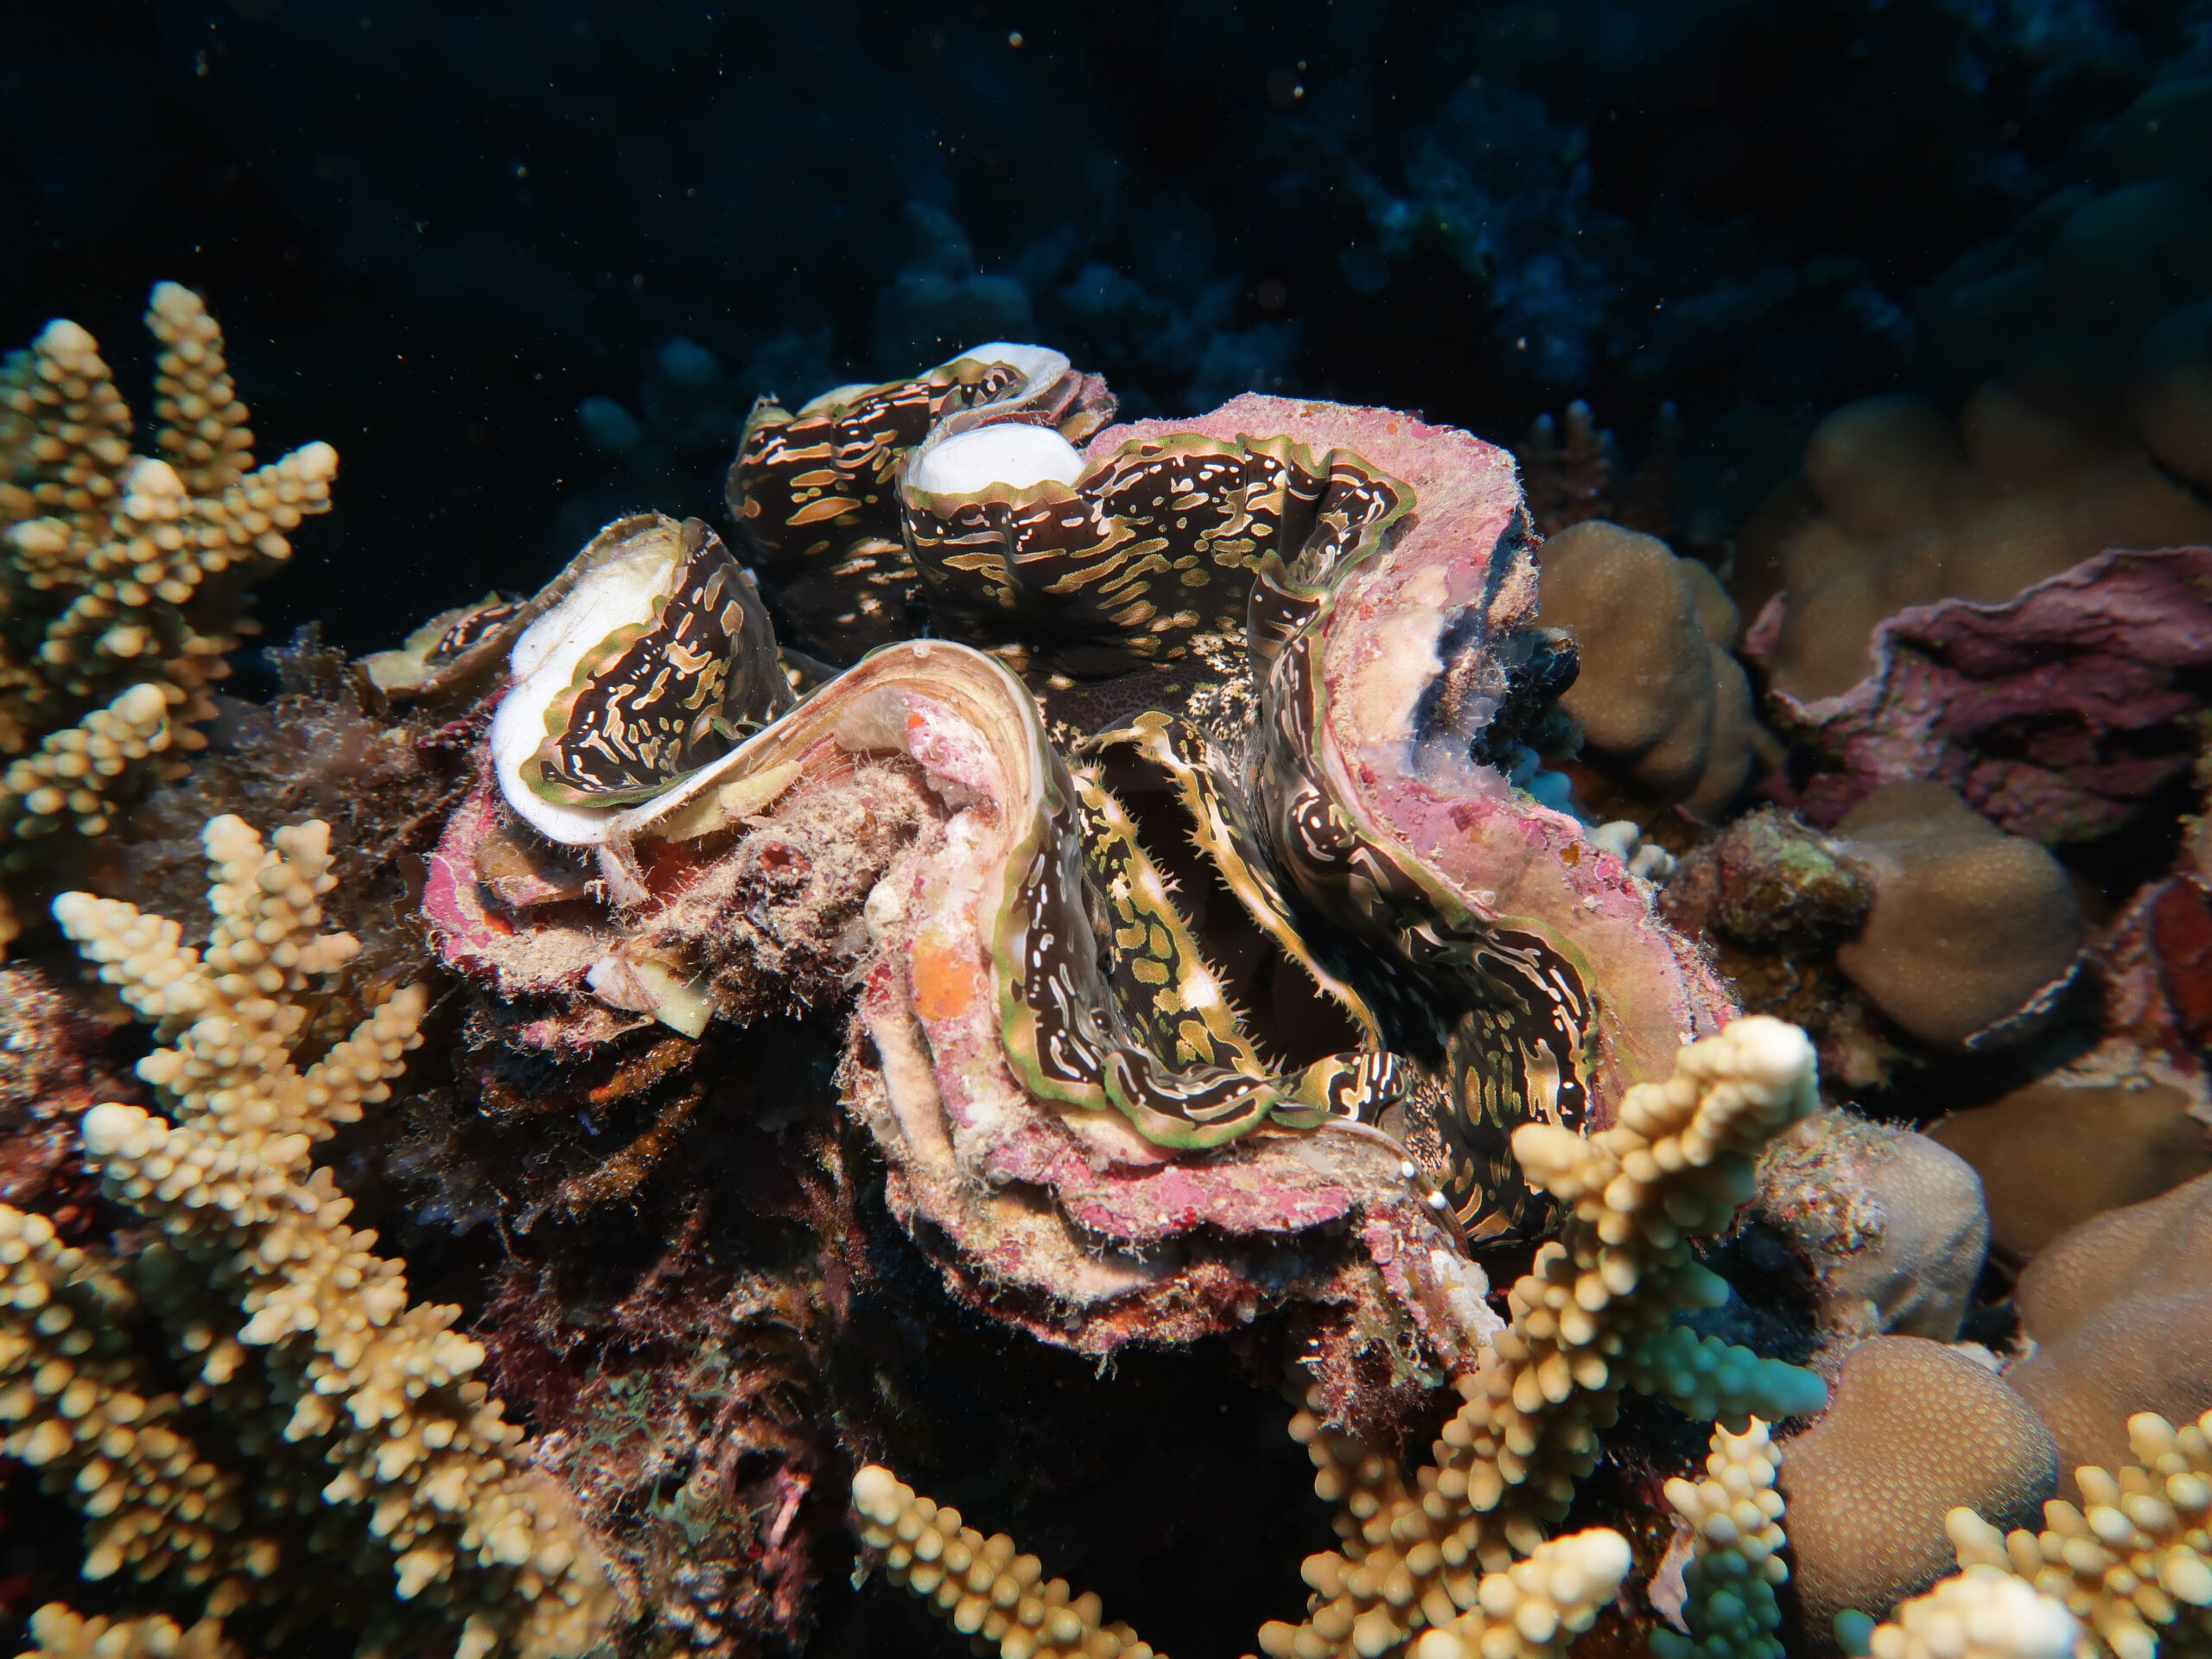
411,1446
1978,1614
2134,1561
1675,1166
60,1633
126,573
985,1590
1915,1429
108,1432
1733,1519
1432,1560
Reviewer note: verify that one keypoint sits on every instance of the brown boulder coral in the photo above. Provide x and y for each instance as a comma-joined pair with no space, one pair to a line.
2121,1311
1914,1430
1912,510
1660,700
2056,1153
1973,933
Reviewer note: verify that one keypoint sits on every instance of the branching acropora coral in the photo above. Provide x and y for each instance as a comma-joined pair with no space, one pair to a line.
1675,1166
985,1589
2134,1562
82,1407
123,573
1735,1519
61,1634
424,1460
1981,1613
1434,1560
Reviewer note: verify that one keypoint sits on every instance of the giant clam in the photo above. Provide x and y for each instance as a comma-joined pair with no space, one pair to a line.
1300,637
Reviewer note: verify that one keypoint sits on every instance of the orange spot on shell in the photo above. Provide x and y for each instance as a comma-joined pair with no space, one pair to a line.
944,980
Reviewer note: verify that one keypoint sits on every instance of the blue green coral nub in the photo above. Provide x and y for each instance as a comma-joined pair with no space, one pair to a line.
1706,1378
1732,1611
1734,1520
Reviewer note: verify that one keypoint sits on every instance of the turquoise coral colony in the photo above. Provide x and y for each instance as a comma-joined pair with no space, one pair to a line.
1049,688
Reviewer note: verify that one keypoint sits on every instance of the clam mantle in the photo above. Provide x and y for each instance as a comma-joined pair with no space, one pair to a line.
1082,1124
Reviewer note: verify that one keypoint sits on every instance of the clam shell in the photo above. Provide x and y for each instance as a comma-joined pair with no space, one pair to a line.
656,660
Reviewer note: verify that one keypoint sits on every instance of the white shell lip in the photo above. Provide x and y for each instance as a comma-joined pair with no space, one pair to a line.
1041,366
543,661
1010,454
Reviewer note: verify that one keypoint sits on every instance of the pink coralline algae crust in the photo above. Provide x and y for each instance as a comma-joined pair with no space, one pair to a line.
1506,858
2051,713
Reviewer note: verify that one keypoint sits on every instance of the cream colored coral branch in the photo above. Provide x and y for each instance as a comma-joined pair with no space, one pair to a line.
1981,1613
422,1455
71,780
121,571
81,1408
988,1591
1734,1517
1675,1166
2134,1561
983,1586
59,1633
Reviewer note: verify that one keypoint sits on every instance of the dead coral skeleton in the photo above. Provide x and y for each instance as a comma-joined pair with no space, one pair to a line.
285,1315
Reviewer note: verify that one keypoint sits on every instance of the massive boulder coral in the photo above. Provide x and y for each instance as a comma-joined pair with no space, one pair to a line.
1972,933
126,573
2121,1311
1660,700
1910,511
1916,1429
2059,1152
360,1411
